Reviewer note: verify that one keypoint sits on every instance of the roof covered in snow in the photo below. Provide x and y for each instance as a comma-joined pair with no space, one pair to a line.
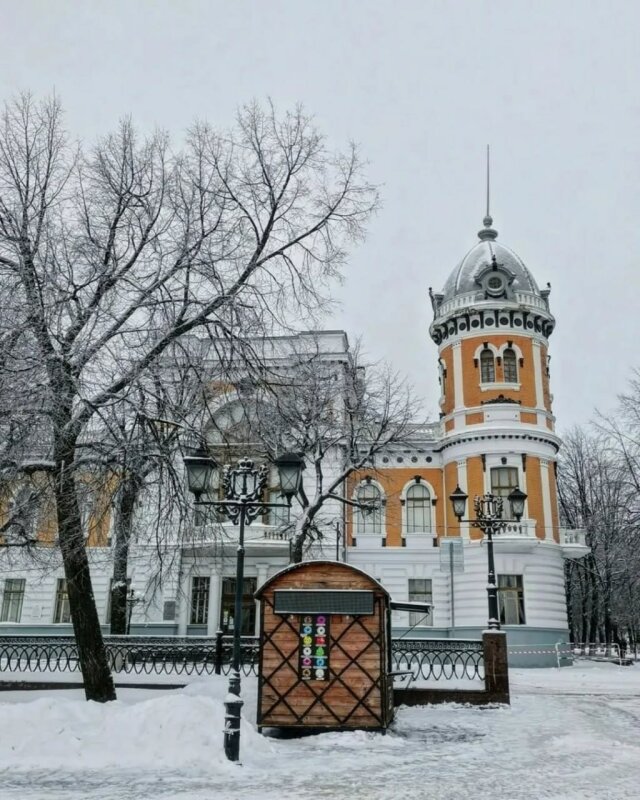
487,252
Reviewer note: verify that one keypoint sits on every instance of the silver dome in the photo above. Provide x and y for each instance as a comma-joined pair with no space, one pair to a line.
490,278
463,278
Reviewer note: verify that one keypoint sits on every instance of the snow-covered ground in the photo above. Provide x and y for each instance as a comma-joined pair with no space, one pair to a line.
569,734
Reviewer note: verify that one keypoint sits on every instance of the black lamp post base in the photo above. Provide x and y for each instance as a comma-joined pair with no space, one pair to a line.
233,705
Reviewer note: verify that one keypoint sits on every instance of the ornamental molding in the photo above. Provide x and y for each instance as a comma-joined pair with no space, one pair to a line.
470,436
501,399
470,320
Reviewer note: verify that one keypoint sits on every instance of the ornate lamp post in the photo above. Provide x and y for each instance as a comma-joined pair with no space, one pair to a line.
488,508
243,486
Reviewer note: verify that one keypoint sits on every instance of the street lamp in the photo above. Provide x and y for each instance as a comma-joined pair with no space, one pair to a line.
243,486
488,508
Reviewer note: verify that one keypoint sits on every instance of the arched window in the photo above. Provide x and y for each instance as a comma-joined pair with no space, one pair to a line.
487,367
369,520
510,365
418,509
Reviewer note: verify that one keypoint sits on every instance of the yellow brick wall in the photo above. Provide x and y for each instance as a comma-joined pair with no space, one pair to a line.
99,521
450,483
447,357
393,480
534,495
475,482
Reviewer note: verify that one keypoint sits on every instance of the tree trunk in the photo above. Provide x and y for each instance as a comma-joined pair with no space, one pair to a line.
98,683
127,498
297,544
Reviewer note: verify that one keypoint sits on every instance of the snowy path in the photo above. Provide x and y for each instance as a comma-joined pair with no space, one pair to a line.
549,744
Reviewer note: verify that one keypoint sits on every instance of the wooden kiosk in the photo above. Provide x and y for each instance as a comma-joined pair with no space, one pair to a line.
325,649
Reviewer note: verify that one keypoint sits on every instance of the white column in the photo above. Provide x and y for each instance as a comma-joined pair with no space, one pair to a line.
184,600
546,498
215,588
263,571
537,374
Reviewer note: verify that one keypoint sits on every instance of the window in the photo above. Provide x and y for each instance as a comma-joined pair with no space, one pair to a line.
227,606
199,600
510,365
62,612
503,481
12,600
369,520
276,516
418,509
487,367
511,599
420,592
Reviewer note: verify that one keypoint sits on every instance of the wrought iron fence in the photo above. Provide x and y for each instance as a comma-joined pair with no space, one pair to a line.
428,659
439,659
144,655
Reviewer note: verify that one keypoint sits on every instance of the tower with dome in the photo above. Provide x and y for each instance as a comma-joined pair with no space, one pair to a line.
496,432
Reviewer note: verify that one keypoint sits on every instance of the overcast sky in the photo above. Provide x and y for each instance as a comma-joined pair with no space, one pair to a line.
423,87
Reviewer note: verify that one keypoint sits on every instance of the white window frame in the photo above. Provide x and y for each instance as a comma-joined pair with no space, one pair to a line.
61,583
362,519
418,619
405,502
12,600
508,591
202,608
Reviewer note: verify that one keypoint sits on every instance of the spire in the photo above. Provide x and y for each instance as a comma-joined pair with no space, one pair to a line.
488,232
488,178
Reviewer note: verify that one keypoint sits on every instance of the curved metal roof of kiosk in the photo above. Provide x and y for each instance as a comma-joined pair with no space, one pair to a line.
305,564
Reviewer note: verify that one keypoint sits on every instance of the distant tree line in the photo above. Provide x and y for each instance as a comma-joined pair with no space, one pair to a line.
599,490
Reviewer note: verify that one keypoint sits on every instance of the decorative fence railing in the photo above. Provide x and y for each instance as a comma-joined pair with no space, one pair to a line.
439,659
426,659
145,655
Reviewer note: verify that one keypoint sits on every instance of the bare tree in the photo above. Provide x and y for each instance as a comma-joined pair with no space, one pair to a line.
339,414
597,491
109,256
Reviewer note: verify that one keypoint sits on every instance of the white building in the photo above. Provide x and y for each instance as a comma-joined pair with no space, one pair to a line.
496,432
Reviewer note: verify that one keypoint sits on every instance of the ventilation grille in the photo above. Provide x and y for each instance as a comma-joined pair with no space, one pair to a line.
323,601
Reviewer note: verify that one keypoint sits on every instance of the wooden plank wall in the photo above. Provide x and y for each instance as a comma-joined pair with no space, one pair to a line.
355,696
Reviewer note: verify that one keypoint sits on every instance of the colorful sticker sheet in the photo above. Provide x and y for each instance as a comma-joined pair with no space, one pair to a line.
314,647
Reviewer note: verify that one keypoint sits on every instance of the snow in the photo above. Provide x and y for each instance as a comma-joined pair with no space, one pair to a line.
570,734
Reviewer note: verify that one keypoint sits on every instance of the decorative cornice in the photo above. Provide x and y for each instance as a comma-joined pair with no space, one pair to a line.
470,320
473,436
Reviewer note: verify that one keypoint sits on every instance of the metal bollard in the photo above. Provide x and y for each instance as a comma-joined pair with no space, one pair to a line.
218,653
233,705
